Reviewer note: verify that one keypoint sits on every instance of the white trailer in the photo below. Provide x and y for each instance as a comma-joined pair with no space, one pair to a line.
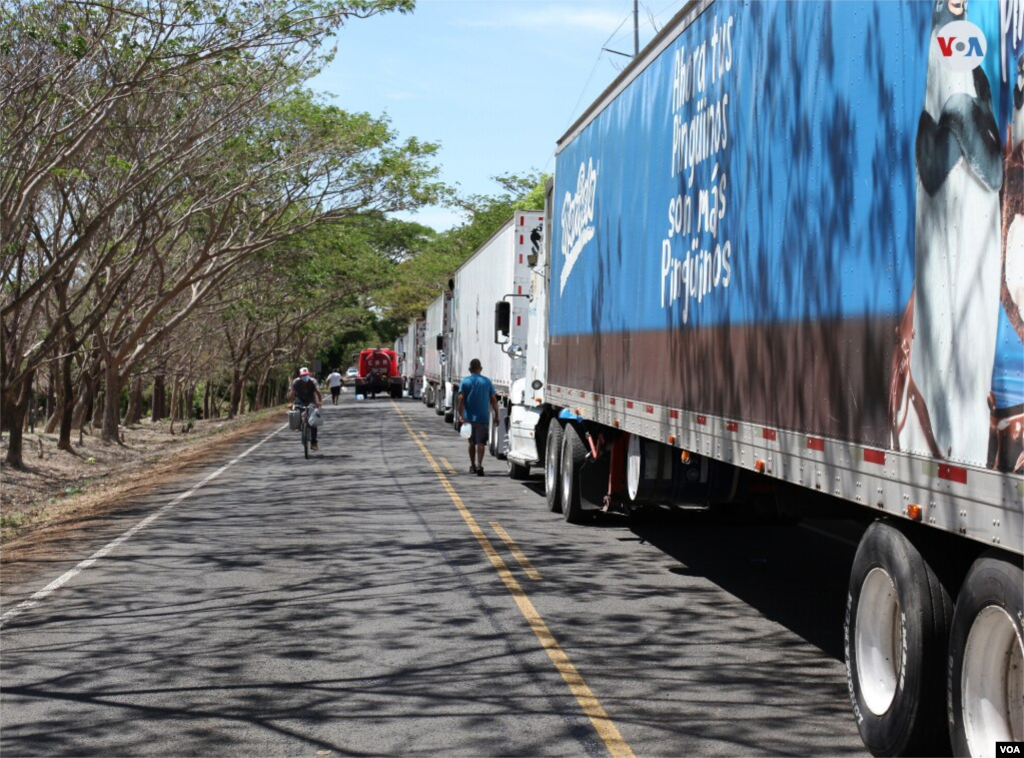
436,327
499,272
412,357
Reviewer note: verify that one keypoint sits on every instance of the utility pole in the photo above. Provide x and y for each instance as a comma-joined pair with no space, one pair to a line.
636,34
636,28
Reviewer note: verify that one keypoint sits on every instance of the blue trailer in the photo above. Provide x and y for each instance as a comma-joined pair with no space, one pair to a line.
785,262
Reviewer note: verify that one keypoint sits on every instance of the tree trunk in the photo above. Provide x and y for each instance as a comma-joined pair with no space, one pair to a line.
6,412
174,404
134,413
261,390
112,405
83,402
51,393
236,392
18,410
206,400
97,408
67,396
159,398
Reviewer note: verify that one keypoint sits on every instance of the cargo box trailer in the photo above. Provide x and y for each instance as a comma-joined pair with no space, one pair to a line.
412,357
496,277
784,266
435,362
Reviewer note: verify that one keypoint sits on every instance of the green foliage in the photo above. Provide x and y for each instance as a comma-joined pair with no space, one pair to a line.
433,259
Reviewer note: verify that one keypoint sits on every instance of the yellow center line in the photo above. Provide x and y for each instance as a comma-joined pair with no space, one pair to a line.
447,465
588,701
425,436
516,551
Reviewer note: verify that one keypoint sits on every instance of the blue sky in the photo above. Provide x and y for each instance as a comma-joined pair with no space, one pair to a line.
496,82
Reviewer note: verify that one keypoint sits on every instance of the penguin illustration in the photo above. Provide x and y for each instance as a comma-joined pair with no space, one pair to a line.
951,340
1013,209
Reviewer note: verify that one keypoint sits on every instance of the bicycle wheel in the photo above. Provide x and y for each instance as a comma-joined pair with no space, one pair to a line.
305,438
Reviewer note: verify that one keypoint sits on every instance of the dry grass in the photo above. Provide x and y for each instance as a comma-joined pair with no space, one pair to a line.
59,491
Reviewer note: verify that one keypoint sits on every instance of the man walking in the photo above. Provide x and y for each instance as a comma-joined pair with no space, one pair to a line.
476,398
334,382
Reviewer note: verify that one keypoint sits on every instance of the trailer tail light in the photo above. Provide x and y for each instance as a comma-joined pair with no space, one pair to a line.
914,512
684,456
616,423
759,466
671,439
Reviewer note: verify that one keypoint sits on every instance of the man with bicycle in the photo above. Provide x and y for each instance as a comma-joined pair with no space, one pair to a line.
305,393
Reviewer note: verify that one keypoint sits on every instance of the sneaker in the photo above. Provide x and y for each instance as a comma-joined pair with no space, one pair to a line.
480,471
472,468
314,446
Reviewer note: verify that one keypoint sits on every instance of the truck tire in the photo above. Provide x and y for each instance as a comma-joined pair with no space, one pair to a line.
553,465
895,640
573,454
986,658
515,471
428,396
439,402
396,393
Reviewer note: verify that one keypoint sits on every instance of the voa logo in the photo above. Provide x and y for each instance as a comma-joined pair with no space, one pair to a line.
962,45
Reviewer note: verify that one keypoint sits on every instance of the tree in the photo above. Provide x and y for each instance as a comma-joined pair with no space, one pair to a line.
154,148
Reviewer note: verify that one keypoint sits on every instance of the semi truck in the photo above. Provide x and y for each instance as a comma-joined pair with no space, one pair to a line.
378,373
435,364
497,272
411,356
783,268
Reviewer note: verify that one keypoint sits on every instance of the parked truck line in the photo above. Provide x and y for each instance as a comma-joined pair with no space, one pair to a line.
792,293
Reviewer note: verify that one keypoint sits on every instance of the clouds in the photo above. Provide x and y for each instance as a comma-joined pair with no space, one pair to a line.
540,17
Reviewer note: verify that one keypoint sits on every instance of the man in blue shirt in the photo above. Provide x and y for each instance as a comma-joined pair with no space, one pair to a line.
476,398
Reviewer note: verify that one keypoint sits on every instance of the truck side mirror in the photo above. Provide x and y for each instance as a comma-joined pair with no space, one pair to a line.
502,321
440,342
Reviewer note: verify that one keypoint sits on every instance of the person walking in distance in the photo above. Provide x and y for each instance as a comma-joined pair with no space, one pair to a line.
476,399
305,393
334,382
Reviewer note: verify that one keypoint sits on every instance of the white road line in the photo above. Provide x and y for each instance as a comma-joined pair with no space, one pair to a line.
72,573
835,537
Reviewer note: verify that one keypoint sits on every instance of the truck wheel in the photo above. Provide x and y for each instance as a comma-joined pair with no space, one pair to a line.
553,465
396,393
517,472
986,658
896,631
428,396
573,454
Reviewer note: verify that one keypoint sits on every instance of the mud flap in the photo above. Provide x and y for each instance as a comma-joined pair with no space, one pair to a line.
593,483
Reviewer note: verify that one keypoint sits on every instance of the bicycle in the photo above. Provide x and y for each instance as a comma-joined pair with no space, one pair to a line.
304,426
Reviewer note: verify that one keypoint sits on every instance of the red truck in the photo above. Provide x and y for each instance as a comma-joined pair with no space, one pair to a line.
378,372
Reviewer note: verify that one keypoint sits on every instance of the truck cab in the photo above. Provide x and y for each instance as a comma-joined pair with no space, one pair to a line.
378,373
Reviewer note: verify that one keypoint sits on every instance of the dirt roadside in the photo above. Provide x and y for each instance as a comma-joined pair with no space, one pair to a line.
61,496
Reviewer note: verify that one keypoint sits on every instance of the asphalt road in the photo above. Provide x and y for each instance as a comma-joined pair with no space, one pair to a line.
368,602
